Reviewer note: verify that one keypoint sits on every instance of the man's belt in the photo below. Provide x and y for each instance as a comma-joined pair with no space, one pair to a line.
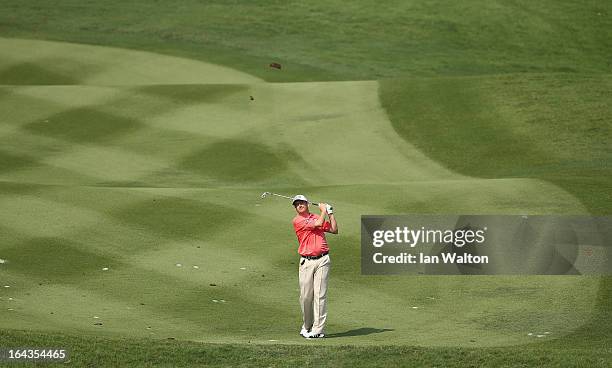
316,257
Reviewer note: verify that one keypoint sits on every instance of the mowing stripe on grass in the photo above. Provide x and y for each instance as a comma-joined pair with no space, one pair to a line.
99,65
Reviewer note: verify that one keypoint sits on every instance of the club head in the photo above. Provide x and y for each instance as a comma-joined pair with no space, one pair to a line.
264,194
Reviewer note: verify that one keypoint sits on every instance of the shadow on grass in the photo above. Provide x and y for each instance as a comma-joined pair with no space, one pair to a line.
359,332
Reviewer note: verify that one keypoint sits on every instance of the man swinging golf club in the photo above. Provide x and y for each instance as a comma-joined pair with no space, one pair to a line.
314,263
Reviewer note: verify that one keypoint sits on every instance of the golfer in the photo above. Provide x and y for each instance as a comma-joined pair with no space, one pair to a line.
314,263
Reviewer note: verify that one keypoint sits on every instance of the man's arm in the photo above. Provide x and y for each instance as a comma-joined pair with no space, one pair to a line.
321,219
334,225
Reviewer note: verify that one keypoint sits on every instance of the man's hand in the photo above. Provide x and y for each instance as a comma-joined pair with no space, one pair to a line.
323,207
329,209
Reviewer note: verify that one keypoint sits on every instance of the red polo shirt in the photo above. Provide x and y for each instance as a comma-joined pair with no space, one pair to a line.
312,240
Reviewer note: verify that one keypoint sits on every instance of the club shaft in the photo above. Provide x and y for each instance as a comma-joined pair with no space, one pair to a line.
280,195
283,196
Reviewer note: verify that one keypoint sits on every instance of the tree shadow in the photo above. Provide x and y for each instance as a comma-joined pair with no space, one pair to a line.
359,332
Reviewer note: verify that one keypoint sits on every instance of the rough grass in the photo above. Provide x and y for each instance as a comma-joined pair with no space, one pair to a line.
324,40
86,351
550,127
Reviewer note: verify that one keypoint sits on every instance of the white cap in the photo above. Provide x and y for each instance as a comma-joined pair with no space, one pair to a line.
298,197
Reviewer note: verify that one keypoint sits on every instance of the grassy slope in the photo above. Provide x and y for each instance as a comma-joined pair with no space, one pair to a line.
330,40
546,126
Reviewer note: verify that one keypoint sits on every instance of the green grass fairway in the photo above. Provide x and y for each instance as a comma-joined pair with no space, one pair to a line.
136,139
140,179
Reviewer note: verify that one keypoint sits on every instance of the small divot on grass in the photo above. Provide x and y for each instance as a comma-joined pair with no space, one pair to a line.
539,335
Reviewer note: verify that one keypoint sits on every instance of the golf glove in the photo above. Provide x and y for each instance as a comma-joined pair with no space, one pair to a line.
330,209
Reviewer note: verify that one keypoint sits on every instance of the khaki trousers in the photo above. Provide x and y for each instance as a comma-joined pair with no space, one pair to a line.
314,274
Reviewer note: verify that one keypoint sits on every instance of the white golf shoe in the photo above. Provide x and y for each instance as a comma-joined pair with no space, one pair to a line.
304,332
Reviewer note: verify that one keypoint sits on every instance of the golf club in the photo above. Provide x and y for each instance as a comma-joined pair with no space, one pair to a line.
265,194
